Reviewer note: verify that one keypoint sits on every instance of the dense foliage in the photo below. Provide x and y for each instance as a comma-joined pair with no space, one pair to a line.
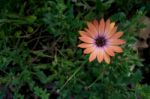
39,57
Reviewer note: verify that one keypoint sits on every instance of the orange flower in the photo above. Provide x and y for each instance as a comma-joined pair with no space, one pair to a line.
101,40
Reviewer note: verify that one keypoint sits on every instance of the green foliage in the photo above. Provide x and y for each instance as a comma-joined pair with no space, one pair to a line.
39,57
41,93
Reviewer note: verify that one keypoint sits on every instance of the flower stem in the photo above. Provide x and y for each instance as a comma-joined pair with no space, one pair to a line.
76,71
99,76
94,82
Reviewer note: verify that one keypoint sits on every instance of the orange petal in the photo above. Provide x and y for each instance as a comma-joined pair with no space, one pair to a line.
112,25
90,33
85,45
92,28
112,32
109,51
117,35
106,58
95,22
83,33
117,49
93,56
107,27
116,41
86,39
89,50
101,26
100,56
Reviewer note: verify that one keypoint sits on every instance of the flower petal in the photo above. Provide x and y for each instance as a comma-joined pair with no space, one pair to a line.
112,32
101,26
89,50
95,22
86,39
106,58
93,55
83,33
116,42
116,49
92,28
107,27
112,25
85,45
117,35
100,56
90,33
109,51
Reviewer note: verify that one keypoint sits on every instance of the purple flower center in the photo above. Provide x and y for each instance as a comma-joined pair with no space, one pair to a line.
100,41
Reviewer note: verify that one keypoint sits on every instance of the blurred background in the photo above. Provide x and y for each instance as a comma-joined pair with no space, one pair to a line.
39,57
